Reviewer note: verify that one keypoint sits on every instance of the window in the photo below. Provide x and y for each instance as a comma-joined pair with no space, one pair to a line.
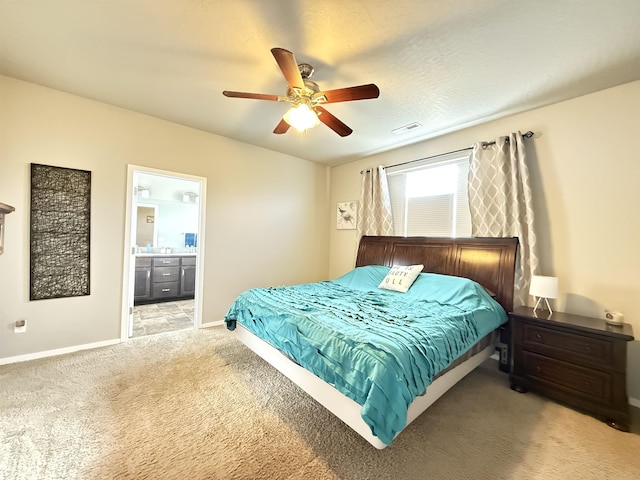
429,198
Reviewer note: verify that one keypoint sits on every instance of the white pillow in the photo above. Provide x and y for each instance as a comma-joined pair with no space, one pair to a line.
401,277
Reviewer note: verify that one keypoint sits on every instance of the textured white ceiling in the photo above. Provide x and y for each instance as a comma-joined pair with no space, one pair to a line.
444,64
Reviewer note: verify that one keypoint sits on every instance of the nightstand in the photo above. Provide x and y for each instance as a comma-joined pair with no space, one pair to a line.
579,361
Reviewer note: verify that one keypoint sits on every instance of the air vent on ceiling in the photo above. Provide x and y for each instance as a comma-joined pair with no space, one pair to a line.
406,128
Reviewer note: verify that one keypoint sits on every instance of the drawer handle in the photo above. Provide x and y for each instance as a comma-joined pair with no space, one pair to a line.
166,261
587,384
166,289
166,274
148,273
587,348
538,369
538,336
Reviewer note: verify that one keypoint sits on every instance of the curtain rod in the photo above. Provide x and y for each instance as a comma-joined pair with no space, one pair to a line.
529,134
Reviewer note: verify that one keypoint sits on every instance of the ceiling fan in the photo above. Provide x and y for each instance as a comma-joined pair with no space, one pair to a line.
307,98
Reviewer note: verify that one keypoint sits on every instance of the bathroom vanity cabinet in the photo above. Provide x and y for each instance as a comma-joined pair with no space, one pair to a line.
164,277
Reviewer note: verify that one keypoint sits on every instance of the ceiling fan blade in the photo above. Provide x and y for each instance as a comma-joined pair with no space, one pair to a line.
289,66
332,122
281,128
361,92
257,96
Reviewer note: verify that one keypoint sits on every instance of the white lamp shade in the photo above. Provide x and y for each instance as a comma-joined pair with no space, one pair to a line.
544,287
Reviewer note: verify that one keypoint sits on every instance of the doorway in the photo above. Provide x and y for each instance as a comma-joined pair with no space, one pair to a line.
163,258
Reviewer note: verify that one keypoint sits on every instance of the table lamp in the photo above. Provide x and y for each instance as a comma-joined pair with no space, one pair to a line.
543,288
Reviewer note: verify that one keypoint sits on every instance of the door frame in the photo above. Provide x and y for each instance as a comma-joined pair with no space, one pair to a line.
129,263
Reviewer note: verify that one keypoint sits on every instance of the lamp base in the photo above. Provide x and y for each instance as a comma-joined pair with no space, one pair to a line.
538,303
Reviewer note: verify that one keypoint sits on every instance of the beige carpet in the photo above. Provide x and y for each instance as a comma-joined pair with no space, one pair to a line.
196,404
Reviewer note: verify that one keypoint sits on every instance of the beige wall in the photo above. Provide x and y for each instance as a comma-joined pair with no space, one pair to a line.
585,173
266,223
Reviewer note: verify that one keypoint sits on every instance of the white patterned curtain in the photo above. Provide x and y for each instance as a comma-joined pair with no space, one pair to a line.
374,209
500,201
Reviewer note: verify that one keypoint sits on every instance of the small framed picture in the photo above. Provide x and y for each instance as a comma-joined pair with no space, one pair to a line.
346,215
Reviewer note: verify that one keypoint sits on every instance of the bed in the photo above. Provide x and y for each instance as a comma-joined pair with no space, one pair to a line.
377,358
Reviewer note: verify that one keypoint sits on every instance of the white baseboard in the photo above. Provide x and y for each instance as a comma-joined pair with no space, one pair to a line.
58,351
212,324
77,348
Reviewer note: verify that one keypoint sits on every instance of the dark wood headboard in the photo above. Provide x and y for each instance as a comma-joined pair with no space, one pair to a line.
488,261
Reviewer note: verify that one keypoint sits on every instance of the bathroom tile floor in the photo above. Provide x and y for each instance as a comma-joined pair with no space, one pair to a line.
162,317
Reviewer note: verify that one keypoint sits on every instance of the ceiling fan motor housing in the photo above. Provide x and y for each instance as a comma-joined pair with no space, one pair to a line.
306,70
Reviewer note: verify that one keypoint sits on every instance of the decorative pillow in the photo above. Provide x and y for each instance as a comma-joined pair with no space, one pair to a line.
401,277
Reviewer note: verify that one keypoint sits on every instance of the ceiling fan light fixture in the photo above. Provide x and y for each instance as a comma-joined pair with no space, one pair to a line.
301,117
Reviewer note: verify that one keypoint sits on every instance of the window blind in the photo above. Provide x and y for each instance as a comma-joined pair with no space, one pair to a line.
430,198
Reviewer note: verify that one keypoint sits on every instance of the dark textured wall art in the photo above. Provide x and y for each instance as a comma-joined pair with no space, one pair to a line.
60,232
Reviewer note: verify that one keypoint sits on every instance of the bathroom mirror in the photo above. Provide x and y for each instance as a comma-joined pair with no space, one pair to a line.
146,225
4,210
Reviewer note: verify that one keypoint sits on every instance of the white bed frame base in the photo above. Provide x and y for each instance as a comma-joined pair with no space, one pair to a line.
342,406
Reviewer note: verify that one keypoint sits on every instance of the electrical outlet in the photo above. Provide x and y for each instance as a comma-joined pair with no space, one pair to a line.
20,326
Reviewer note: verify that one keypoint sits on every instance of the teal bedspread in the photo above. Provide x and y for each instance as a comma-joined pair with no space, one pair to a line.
380,348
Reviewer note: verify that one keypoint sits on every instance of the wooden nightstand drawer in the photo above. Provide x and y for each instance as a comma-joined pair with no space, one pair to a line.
587,383
580,348
578,360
